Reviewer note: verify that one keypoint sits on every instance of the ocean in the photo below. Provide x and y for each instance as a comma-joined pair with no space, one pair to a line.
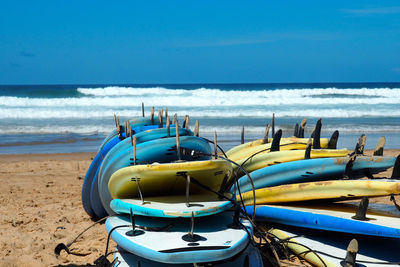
76,118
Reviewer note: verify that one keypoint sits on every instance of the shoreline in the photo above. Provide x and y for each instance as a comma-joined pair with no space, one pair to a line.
83,155
40,206
45,156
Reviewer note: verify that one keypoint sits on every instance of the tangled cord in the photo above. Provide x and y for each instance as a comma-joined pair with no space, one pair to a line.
61,246
102,261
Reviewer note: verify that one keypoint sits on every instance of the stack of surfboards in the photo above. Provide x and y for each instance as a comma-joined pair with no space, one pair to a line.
172,201
148,135
296,194
171,213
162,190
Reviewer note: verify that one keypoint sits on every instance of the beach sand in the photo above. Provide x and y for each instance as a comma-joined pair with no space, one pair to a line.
40,206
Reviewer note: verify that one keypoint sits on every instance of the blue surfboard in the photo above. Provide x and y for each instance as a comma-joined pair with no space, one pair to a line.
143,134
335,217
159,150
213,238
141,137
249,257
313,170
173,206
92,171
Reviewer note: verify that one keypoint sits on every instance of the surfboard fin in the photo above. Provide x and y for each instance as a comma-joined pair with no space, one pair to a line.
128,130
196,128
359,150
332,144
266,133
307,154
276,141
142,109
152,116
396,169
362,210
160,118
187,191
133,142
119,127
133,232
273,125
380,146
191,237
302,128
317,135
296,130
242,136
175,118
178,150
215,145
394,202
350,259
349,167
168,126
236,218
185,124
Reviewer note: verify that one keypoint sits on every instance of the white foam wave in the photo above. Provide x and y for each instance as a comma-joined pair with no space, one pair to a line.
106,113
59,129
203,101
205,130
130,91
302,92
204,97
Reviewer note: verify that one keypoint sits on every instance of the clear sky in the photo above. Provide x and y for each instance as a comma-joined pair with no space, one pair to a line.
54,41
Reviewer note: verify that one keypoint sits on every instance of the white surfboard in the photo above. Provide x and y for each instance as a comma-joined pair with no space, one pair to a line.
213,237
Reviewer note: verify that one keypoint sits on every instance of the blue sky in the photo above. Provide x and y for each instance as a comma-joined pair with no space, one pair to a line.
52,42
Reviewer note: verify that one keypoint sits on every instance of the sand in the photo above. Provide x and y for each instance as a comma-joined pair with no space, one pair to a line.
40,206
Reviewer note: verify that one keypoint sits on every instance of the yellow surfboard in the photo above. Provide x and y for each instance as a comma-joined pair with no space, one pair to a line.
265,159
168,178
285,140
333,190
301,250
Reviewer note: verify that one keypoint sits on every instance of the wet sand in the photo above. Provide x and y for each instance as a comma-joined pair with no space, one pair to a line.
40,206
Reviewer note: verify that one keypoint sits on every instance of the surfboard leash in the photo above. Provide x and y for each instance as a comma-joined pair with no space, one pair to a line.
316,252
61,246
394,202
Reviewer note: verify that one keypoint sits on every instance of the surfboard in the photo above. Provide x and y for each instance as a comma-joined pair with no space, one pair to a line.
169,178
266,148
141,137
159,150
314,170
173,206
139,124
158,133
249,257
212,238
141,121
332,190
301,246
107,145
329,249
272,158
284,140
335,217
